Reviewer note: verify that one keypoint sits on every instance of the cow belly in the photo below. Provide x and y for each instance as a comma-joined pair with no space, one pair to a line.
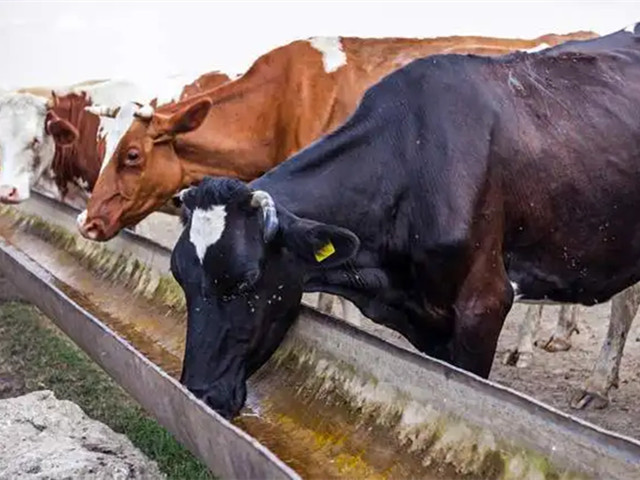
531,284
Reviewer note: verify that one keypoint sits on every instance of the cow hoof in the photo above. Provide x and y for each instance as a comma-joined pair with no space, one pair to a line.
524,360
510,358
514,358
584,398
554,344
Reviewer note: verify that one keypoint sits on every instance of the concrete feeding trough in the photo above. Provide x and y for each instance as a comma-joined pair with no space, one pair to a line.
333,402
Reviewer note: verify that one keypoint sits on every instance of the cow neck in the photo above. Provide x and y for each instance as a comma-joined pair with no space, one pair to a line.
204,82
329,183
78,163
238,137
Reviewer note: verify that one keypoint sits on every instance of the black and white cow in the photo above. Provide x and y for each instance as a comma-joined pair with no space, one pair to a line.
458,183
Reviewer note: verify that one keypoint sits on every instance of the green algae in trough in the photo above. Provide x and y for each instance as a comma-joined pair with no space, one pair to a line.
98,258
333,403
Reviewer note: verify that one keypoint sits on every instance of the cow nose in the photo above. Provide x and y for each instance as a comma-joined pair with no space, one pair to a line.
9,194
92,229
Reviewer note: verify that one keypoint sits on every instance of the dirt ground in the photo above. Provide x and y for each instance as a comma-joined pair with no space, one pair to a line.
553,377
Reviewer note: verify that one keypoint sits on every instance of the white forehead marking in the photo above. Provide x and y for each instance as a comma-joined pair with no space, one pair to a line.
333,57
537,48
114,128
630,28
206,228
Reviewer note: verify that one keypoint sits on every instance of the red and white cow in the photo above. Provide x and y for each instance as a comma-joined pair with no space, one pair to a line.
60,140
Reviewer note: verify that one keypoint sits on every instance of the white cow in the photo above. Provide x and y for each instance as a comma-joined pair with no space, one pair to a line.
26,148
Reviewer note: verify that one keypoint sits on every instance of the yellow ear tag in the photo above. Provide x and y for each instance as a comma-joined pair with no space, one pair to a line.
326,251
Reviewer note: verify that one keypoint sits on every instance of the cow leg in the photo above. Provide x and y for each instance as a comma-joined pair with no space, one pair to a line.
522,355
606,370
560,340
483,302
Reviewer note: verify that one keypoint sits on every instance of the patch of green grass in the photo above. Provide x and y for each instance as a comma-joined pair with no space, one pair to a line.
34,349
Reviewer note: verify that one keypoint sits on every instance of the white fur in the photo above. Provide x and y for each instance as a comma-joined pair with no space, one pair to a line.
122,93
82,183
517,297
206,228
516,291
112,129
333,57
145,111
538,48
110,95
22,118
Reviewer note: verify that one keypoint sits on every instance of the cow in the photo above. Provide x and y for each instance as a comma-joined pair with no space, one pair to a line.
605,375
60,135
459,184
287,99
24,144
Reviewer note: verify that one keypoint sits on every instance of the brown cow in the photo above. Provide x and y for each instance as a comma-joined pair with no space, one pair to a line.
31,123
286,100
79,162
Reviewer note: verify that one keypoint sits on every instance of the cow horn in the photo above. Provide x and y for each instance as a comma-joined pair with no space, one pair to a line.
103,110
263,200
178,199
145,112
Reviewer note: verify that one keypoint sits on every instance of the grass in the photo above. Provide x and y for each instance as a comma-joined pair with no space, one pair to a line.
33,349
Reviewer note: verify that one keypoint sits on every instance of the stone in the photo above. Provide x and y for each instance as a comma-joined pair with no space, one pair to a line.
43,437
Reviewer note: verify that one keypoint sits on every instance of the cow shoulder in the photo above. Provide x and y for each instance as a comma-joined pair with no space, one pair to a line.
442,140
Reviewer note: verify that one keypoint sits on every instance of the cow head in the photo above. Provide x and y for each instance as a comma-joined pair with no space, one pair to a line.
241,262
28,130
143,171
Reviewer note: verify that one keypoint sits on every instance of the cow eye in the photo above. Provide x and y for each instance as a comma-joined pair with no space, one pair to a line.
133,157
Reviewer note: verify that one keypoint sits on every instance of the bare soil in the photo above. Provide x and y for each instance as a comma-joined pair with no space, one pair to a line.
553,377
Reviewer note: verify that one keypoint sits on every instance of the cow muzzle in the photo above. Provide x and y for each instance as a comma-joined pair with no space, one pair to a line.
9,194
92,229
226,399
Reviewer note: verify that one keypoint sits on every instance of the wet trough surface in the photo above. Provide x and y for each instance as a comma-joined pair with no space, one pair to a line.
315,438
323,419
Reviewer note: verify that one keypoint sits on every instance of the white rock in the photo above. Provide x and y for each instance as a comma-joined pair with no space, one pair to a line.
43,437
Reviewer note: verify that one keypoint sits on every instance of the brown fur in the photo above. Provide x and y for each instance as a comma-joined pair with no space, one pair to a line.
82,159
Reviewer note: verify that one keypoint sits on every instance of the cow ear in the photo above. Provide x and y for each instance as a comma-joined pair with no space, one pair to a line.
319,244
62,131
187,119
